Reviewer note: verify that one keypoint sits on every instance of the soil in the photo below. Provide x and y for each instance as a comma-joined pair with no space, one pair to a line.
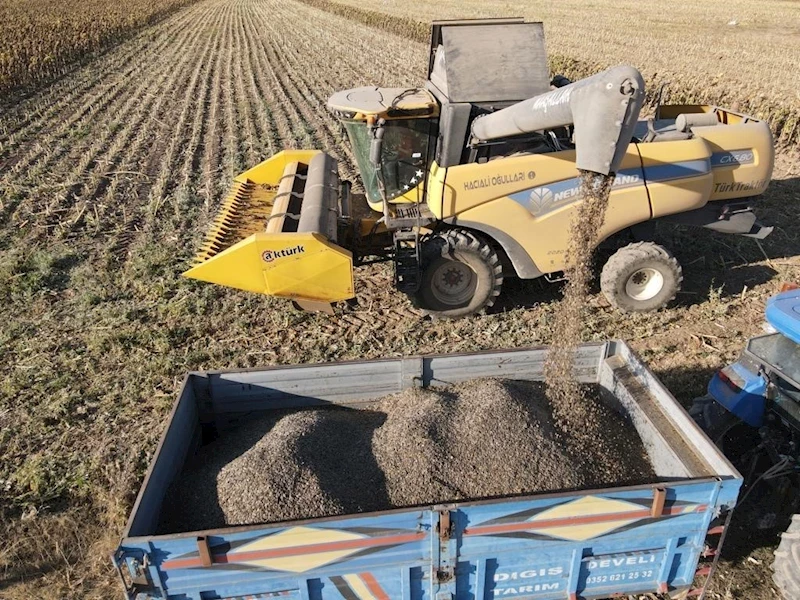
484,438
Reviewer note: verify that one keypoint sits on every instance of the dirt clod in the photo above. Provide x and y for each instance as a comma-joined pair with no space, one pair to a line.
480,439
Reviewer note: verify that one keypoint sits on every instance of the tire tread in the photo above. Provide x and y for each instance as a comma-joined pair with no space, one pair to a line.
621,260
786,567
461,239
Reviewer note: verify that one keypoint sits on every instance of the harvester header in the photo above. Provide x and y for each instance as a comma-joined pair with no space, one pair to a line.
263,242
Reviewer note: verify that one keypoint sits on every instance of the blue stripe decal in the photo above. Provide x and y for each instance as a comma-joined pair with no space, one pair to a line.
681,170
546,198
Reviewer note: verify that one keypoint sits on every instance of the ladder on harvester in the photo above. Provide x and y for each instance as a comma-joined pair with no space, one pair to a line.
407,272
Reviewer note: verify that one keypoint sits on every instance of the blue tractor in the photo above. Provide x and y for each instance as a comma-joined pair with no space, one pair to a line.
752,412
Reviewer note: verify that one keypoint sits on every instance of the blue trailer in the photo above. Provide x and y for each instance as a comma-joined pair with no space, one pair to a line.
588,543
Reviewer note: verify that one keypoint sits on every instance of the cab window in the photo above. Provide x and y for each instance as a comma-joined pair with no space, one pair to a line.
404,157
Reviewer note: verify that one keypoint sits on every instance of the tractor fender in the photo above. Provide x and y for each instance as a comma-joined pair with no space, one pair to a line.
741,391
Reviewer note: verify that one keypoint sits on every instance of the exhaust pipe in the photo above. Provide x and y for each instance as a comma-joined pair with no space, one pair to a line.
603,108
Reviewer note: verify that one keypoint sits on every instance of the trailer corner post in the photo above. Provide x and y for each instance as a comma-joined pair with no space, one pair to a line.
443,580
669,558
574,573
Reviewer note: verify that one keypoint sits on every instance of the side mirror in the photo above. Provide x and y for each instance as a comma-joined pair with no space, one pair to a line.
376,145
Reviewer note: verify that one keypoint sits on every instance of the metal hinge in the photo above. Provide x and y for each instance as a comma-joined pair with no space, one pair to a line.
445,572
133,571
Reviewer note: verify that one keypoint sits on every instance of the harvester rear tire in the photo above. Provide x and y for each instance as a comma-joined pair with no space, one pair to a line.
641,277
461,275
786,567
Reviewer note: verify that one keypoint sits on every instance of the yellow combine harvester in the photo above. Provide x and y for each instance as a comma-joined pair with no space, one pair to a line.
474,177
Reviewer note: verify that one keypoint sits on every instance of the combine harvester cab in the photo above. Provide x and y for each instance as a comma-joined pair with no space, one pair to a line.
277,232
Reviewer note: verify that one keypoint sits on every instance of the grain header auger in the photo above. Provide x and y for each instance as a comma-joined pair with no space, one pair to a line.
473,178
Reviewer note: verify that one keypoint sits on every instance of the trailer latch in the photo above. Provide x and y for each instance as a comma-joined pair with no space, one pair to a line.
445,526
133,571
445,571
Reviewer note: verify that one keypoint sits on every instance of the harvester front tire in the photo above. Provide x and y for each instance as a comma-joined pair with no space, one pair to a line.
461,275
786,567
641,277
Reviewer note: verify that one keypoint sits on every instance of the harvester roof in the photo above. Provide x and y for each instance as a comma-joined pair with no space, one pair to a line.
388,103
783,313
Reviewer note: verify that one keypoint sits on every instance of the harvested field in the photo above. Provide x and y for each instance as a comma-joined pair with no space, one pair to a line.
476,440
41,39
737,54
108,179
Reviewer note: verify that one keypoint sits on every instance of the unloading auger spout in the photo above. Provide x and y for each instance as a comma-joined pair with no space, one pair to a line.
603,108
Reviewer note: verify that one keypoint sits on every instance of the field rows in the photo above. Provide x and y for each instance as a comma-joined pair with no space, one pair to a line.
734,54
108,179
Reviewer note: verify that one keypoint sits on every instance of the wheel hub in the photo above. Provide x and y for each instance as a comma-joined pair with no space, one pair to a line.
644,284
453,283
453,277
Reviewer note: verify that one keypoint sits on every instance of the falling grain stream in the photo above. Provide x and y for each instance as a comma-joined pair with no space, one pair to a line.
578,418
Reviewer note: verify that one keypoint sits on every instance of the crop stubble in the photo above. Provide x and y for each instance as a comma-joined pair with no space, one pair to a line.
716,52
42,38
107,183
107,180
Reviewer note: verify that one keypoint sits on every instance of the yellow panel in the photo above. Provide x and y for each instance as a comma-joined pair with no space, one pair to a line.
297,537
585,532
270,171
746,175
538,214
670,111
436,188
678,175
743,157
471,185
303,266
587,506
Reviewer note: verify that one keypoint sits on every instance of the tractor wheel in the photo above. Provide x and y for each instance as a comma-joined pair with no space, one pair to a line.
735,438
712,417
461,275
786,568
641,277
